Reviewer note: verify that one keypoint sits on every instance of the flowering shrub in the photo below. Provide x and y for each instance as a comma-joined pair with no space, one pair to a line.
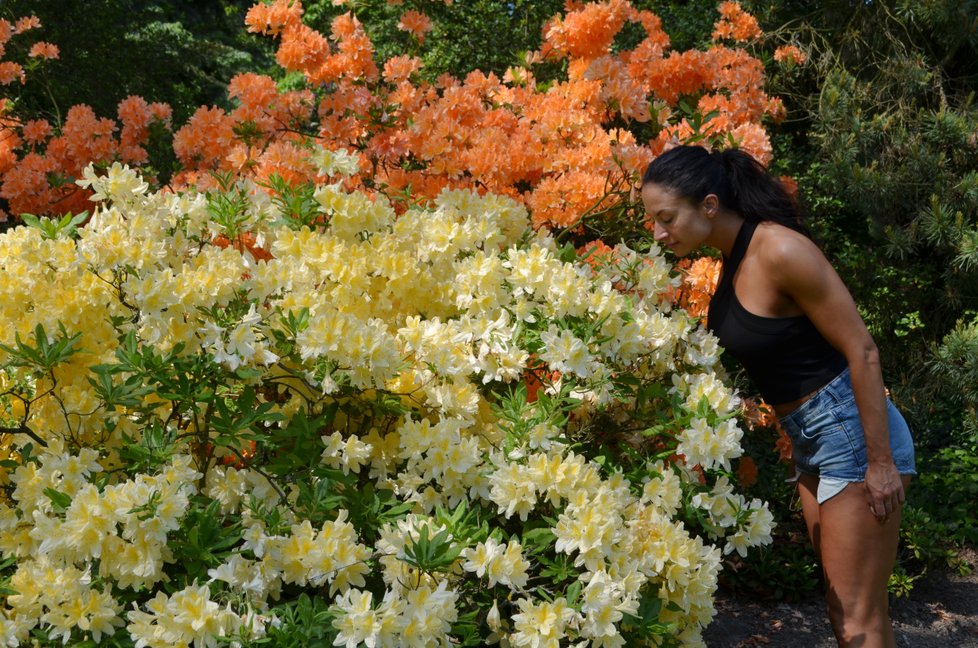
274,420
568,149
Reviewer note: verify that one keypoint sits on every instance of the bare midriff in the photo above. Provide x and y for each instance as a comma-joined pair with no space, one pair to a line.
783,409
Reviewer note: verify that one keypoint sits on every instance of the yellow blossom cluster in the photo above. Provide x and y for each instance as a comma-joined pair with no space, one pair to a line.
342,405
66,554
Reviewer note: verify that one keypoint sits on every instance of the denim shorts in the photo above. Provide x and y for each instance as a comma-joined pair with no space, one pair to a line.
827,438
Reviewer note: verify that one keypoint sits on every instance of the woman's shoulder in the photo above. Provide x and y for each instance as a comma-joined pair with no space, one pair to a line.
788,255
777,244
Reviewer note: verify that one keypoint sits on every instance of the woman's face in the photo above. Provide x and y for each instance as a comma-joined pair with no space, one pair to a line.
680,225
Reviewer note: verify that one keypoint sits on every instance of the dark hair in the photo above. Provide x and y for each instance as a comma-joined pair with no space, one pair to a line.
740,182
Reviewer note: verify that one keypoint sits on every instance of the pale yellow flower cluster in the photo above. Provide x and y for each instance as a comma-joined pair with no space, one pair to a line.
187,617
622,543
59,599
118,533
419,618
306,556
498,563
435,311
399,575
231,488
726,509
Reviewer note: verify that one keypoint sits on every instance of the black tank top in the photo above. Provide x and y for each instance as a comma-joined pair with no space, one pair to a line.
786,357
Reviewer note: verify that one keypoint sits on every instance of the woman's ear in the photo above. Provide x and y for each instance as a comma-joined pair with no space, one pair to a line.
710,205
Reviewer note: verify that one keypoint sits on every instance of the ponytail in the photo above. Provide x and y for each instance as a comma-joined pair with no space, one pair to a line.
739,181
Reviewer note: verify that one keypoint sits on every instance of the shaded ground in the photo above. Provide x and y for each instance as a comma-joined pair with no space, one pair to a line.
941,612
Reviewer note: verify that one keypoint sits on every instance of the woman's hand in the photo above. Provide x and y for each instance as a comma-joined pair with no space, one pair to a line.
884,489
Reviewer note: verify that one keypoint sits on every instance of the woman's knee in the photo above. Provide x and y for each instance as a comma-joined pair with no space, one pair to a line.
855,621
850,634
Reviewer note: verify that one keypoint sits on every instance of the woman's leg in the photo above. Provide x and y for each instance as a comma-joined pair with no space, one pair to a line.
858,552
807,491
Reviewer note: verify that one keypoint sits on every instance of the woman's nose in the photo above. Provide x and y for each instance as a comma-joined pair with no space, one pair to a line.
659,233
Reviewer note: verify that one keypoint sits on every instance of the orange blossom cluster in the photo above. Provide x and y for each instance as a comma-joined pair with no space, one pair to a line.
37,165
561,148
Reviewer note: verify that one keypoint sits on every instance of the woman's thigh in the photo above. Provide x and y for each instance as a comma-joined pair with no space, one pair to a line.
858,552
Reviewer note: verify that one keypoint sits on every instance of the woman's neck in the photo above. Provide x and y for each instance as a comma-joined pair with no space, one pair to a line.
726,225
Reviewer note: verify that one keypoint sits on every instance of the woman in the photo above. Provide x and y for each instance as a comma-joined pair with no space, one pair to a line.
784,313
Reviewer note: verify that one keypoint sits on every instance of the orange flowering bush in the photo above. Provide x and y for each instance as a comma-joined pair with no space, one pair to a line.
699,279
42,180
568,149
551,147
39,163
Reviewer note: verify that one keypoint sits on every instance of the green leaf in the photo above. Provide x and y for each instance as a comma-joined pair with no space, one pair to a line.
61,501
432,554
539,538
52,229
44,354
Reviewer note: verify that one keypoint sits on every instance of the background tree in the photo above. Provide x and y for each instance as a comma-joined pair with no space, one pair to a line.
174,51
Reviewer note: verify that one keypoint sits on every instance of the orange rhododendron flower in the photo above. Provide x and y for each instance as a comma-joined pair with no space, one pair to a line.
752,138
244,241
559,201
735,23
775,108
597,253
6,31
400,68
698,283
9,142
285,159
161,111
257,96
632,157
791,54
205,139
271,19
135,115
415,23
84,138
356,52
303,49
44,50
10,72
36,131
790,185
588,31
26,187
26,24
783,445
619,92
746,472
758,414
